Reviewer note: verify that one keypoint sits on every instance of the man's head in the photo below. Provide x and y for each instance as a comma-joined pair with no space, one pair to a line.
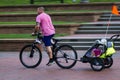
40,10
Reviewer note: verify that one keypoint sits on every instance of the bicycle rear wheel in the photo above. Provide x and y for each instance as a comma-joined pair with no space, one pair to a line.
66,56
30,56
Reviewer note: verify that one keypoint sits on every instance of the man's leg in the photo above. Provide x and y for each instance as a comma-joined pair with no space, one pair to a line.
47,41
51,59
40,47
49,50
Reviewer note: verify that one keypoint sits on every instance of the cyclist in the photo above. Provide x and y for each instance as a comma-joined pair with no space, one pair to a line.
44,24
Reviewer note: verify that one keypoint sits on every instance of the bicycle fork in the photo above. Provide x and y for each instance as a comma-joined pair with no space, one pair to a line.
32,51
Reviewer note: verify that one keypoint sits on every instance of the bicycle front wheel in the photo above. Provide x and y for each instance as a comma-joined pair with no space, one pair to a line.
66,56
30,56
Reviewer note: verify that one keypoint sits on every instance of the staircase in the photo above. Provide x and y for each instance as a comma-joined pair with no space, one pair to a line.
86,34
99,28
105,17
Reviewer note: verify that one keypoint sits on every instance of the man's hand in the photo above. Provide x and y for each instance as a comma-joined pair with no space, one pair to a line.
33,34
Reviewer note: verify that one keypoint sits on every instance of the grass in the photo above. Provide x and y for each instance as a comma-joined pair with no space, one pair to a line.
13,2
19,12
9,36
33,22
23,36
26,2
16,23
56,11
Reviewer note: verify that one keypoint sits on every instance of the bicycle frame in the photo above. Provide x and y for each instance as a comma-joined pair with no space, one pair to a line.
38,40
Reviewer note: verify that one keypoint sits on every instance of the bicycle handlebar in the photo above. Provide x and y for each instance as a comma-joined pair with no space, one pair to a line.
38,35
114,37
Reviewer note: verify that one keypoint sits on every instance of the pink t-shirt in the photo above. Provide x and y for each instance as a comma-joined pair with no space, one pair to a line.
46,25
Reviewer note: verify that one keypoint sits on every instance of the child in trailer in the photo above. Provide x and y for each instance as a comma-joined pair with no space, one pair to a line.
96,52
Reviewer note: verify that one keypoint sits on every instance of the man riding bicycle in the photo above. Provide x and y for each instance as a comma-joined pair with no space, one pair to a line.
44,24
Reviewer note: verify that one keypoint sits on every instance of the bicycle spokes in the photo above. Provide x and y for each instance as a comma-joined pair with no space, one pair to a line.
66,56
30,56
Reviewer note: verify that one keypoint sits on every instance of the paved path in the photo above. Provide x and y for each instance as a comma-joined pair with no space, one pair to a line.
12,69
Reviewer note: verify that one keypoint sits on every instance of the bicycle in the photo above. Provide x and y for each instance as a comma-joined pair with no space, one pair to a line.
30,55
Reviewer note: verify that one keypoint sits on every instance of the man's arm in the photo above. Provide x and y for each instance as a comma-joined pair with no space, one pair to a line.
36,29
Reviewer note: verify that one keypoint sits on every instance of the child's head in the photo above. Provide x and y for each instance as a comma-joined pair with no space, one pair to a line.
96,52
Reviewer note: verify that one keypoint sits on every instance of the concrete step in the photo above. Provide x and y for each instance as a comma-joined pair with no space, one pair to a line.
78,43
108,15
87,47
28,29
102,23
83,44
98,28
51,7
76,17
107,19
97,31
